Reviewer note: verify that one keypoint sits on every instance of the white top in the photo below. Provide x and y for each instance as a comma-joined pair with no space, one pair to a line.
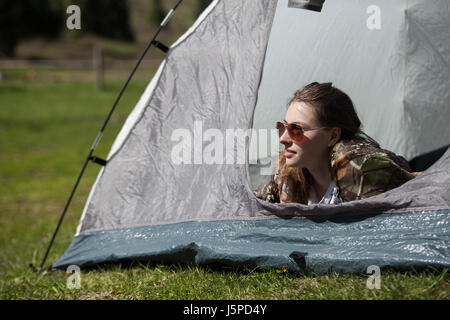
330,197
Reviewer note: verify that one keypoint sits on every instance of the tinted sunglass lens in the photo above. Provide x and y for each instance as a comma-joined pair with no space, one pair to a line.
281,128
295,132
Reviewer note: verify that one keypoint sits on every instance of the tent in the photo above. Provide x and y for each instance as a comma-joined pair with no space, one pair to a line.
171,191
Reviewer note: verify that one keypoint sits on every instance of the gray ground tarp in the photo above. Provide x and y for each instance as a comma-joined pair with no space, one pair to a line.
144,206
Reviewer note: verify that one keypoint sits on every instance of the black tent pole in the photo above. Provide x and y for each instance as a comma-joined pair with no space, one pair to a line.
100,133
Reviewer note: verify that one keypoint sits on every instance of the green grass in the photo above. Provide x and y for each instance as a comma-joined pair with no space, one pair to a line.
46,130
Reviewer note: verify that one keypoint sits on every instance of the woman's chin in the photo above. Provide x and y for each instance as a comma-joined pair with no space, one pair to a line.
292,162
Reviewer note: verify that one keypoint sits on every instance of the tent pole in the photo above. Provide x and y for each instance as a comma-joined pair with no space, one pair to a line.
100,133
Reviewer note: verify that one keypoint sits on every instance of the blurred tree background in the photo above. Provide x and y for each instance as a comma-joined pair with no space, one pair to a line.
24,19
36,29
110,19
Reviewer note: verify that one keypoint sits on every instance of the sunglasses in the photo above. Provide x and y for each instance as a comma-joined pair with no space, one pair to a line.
295,131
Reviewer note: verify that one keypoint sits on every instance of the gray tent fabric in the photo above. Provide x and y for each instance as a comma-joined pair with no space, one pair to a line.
387,240
145,206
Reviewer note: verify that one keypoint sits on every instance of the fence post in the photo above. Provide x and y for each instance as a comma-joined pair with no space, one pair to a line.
99,67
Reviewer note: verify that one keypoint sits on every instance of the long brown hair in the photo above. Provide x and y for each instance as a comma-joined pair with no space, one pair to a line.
333,108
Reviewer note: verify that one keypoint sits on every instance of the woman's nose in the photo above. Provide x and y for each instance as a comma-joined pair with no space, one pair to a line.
285,138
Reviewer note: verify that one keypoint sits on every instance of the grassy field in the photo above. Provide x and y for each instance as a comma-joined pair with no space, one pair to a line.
48,121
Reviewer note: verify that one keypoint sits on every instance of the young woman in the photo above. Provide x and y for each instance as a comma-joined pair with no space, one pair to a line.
327,158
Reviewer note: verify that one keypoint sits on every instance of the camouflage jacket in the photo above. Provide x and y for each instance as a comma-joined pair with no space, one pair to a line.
361,169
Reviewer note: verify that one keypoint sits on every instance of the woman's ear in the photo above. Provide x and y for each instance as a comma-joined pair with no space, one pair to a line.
335,136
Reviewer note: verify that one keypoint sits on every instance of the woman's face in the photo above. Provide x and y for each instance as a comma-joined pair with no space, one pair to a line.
313,149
